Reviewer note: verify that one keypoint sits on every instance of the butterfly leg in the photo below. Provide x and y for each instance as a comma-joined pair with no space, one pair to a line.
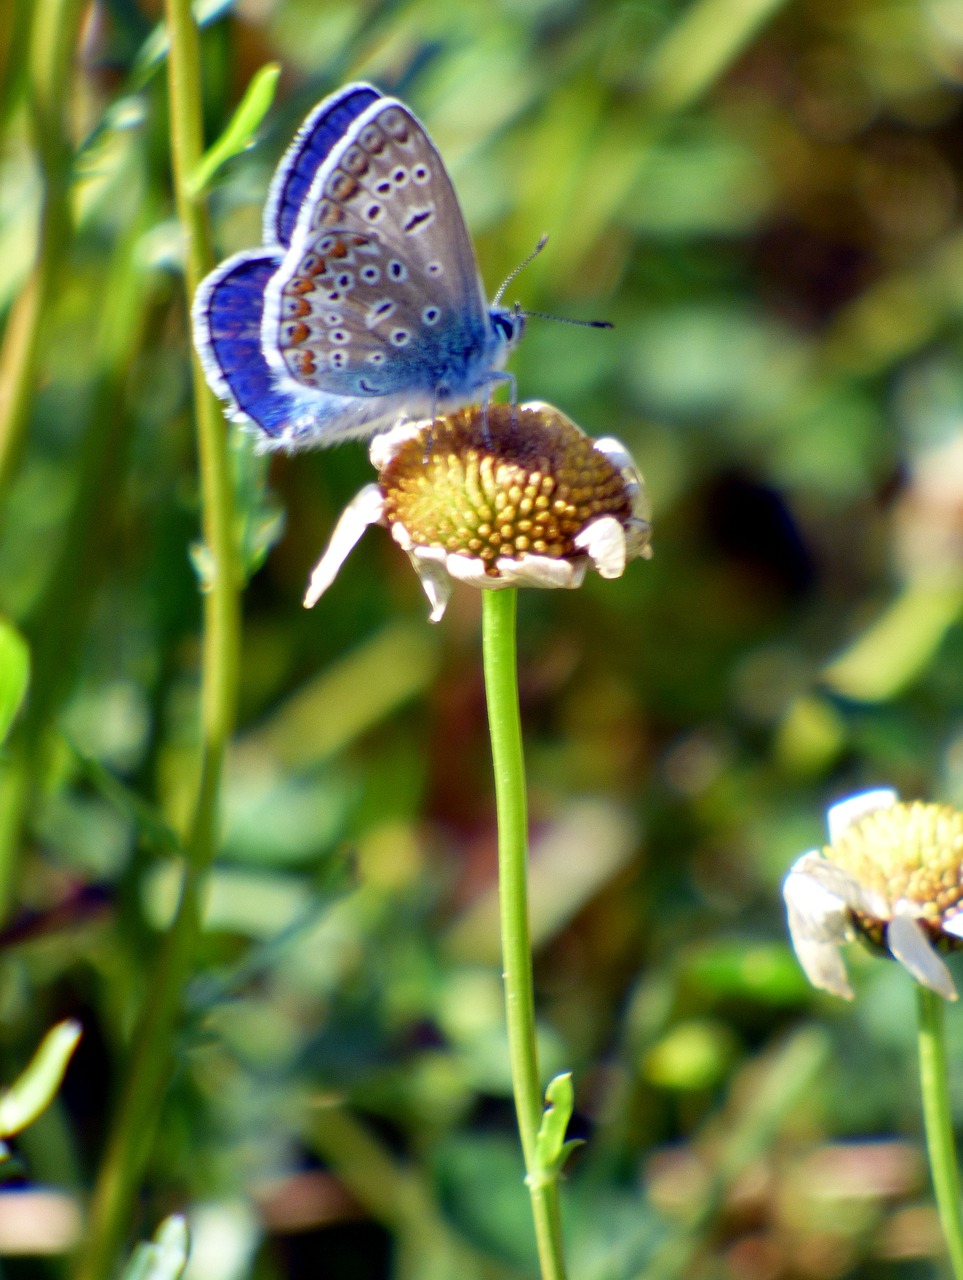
439,393
490,380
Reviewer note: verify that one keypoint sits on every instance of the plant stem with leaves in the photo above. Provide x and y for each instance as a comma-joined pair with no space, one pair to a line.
134,1122
501,686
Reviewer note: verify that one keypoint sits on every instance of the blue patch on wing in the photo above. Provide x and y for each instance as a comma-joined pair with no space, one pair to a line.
231,316
325,126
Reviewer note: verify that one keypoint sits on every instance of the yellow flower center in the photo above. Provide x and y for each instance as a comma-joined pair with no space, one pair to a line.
511,482
907,851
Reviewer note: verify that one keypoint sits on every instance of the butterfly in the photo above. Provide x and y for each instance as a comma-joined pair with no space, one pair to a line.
364,303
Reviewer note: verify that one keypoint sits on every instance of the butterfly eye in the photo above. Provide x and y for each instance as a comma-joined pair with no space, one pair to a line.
507,325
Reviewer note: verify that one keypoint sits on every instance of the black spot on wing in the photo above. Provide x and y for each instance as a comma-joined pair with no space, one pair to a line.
418,220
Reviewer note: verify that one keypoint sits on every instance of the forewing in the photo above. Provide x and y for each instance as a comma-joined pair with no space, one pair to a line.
321,131
379,292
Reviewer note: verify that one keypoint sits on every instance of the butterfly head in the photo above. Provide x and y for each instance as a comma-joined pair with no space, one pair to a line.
508,327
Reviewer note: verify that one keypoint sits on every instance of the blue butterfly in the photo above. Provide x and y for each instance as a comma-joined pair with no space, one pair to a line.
364,304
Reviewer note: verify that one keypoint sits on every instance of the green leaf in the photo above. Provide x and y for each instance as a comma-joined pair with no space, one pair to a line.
551,1148
259,518
164,1257
14,674
33,1091
244,123
899,645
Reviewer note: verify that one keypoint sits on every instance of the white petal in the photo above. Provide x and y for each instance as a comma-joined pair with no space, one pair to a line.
818,926
365,508
541,571
638,535
386,444
954,925
403,538
616,453
847,812
819,908
911,947
822,964
620,457
471,569
521,571
432,570
603,540
840,885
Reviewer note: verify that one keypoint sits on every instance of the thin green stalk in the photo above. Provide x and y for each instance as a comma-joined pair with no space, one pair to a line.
44,40
397,1195
134,1123
501,686
56,625
53,37
939,1123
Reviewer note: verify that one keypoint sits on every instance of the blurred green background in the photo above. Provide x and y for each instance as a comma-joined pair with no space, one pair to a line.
764,198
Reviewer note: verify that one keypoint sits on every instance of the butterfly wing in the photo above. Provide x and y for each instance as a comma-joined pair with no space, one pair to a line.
226,314
379,292
320,132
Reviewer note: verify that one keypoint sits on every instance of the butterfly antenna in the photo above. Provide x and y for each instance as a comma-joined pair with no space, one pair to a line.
521,267
583,324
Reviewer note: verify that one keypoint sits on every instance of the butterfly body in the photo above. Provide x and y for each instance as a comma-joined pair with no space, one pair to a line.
364,304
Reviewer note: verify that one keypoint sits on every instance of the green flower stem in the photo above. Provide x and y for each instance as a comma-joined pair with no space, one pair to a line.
501,685
939,1123
134,1123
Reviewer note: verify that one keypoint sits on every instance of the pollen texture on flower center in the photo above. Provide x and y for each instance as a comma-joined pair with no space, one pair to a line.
524,482
911,852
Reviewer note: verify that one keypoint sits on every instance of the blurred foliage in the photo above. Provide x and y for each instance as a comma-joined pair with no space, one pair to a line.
765,199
